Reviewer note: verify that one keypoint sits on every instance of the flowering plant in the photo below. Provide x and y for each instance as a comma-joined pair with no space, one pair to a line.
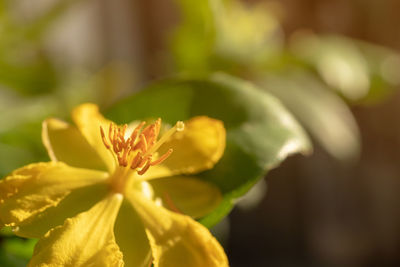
94,203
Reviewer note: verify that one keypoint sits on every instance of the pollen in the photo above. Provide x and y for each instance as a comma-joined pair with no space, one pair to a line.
137,150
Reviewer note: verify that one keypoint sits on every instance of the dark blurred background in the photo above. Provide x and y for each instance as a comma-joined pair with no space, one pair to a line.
318,211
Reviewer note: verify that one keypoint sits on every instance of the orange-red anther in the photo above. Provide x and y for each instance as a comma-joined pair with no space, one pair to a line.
135,133
158,126
147,129
116,147
136,161
142,144
162,158
110,131
156,131
146,167
124,127
143,162
103,136
149,133
124,160
139,142
114,141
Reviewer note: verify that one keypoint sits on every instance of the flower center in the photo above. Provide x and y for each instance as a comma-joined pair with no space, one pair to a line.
137,152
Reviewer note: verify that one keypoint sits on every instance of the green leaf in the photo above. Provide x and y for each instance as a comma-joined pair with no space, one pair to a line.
7,260
15,251
261,133
6,231
320,110
22,248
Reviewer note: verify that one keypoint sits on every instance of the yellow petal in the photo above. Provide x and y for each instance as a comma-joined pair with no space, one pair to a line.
79,200
65,143
177,240
131,237
88,120
187,195
37,187
197,148
84,240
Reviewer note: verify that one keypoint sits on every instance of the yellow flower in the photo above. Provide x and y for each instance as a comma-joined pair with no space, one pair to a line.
101,200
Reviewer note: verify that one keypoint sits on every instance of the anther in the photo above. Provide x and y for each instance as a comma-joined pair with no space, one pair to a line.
136,132
136,161
162,158
146,167
123,131
124,161
158,126
135,151
150,133
115,140
179,126
116,147
110,131
104,138
142,144
143,161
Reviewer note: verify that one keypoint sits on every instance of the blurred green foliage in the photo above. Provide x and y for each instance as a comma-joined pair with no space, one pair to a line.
315,76
28,79
25,67
14,251
33,87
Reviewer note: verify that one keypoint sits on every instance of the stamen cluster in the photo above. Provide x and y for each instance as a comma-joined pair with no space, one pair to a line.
136,151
